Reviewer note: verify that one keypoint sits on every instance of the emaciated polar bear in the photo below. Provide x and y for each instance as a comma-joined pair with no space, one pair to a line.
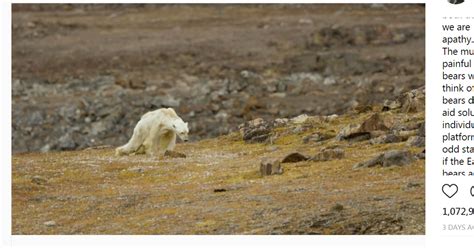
155,133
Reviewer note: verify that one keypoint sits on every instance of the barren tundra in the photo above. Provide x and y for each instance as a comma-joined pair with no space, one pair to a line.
304,119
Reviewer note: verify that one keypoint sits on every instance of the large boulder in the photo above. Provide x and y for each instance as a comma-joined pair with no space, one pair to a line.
294,157
388,159
362,131
256,131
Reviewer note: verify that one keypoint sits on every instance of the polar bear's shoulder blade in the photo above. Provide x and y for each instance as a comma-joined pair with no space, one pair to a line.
169,112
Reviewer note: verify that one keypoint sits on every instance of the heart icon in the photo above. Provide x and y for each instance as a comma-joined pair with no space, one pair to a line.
450,190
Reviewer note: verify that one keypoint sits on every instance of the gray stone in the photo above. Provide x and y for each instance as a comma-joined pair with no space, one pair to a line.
38,180
391,105
387,159
329,154
256,131
46,148
377,160
317,137
385,138
270,167
174,154
414,100
420,155
66,142
421,130
98,127
337,208
294,157
300,119
359,132
416,141
50,223
36,118
397,158
280,122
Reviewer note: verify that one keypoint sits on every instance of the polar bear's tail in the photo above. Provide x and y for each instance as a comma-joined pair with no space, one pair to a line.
133,144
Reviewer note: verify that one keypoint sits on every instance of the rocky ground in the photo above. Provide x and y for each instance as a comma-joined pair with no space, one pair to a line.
304,119
357,173
83,75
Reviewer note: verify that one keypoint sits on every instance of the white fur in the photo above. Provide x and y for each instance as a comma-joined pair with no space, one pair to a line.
156,133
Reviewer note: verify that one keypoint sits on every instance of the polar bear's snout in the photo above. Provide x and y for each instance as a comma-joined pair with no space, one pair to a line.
183,136
185,139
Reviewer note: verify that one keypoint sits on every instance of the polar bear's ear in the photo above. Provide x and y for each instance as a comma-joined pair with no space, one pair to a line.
186,124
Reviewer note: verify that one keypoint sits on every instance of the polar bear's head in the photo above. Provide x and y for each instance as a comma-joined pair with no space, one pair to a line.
181,129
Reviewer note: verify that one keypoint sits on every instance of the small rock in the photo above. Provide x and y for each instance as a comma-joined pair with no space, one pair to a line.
337,208
280,122
99,127
46,148
405,135
66,142
420,155
416,141
270,167
36,118
386,138
174,154
259,135
317,137
50,223
362,108
373,123
294,157
414,100
298,129
300,119
329,81
38,180
397,157
369,163
305,21
391,105
421,130
271,149
413,185
136,169
329,154
330,118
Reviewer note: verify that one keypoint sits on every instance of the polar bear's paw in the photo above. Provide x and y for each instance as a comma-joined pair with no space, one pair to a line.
120,151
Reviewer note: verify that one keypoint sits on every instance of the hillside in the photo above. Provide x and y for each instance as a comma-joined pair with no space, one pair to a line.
357,173
83,74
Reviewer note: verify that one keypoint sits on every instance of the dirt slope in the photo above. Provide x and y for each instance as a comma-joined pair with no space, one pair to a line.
218,189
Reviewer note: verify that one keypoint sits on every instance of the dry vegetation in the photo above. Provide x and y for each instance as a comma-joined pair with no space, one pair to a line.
217,189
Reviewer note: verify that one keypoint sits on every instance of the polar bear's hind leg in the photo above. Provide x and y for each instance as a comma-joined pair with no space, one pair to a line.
133,144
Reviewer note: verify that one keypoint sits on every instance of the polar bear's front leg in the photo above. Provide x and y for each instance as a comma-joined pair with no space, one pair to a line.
152,142
166,141
171,143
